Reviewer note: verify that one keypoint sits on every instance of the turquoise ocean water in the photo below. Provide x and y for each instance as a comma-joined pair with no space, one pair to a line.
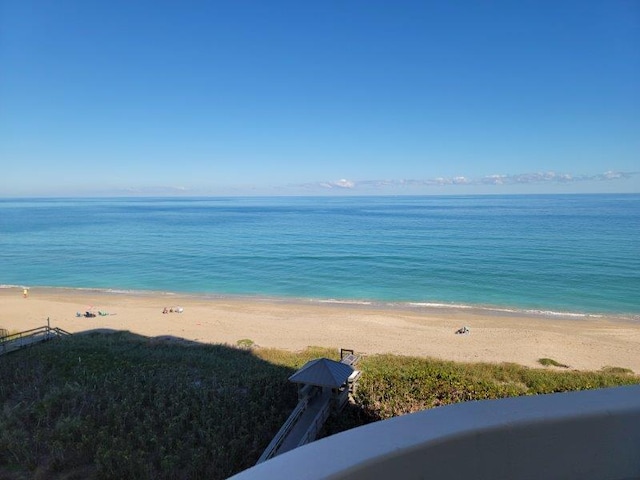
577,254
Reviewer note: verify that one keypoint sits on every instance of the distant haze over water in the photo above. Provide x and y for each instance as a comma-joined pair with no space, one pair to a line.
551,253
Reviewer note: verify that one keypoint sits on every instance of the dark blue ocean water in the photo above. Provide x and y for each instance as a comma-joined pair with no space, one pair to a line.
556,253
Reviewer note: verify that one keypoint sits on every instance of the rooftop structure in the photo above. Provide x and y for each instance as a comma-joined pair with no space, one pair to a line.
324,387
323,372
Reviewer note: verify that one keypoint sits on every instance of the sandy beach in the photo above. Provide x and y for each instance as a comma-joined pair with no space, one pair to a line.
583,343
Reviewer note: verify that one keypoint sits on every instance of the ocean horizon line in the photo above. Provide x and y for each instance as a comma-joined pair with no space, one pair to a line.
310,196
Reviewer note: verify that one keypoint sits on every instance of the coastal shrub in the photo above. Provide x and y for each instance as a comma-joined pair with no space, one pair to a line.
550,362
245,343
617,370
123,406
392,386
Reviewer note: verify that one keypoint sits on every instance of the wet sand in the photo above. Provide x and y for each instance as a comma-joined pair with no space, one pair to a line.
582,343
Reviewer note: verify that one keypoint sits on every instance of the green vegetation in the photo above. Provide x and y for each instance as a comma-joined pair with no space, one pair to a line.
618,370
550,362
121,406
245,343
7,334
394,386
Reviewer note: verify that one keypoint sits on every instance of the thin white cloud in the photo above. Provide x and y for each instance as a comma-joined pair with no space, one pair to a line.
342,183
548,177
612,175
494,180
372,187
157,190
461,181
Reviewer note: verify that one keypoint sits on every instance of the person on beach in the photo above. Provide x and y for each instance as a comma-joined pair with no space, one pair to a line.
25,293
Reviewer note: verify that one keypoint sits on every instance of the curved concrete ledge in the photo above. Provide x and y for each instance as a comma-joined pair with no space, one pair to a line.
592,434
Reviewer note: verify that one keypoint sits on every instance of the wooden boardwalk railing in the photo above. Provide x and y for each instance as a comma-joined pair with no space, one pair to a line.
16,341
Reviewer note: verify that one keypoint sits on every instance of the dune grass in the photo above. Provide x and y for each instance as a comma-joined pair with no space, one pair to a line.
245,343
617,370
550,362
122,406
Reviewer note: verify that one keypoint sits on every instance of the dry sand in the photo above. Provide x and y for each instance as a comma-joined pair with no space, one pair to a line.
583,343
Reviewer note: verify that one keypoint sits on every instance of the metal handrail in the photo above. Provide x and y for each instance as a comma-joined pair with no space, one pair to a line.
24,333
46,332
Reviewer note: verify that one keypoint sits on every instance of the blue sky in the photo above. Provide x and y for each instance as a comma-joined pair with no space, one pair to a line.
332,97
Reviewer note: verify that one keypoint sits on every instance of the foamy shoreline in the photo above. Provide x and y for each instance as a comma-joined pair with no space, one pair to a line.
584,342
428,307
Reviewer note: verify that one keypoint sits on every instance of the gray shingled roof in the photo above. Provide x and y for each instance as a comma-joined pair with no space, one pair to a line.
323,372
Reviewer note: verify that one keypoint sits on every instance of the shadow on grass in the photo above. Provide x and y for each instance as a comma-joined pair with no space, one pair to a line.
112,404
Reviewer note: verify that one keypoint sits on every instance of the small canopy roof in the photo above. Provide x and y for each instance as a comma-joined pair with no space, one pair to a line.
323,372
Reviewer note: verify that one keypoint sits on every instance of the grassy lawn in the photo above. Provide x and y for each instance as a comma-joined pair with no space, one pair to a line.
123,406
